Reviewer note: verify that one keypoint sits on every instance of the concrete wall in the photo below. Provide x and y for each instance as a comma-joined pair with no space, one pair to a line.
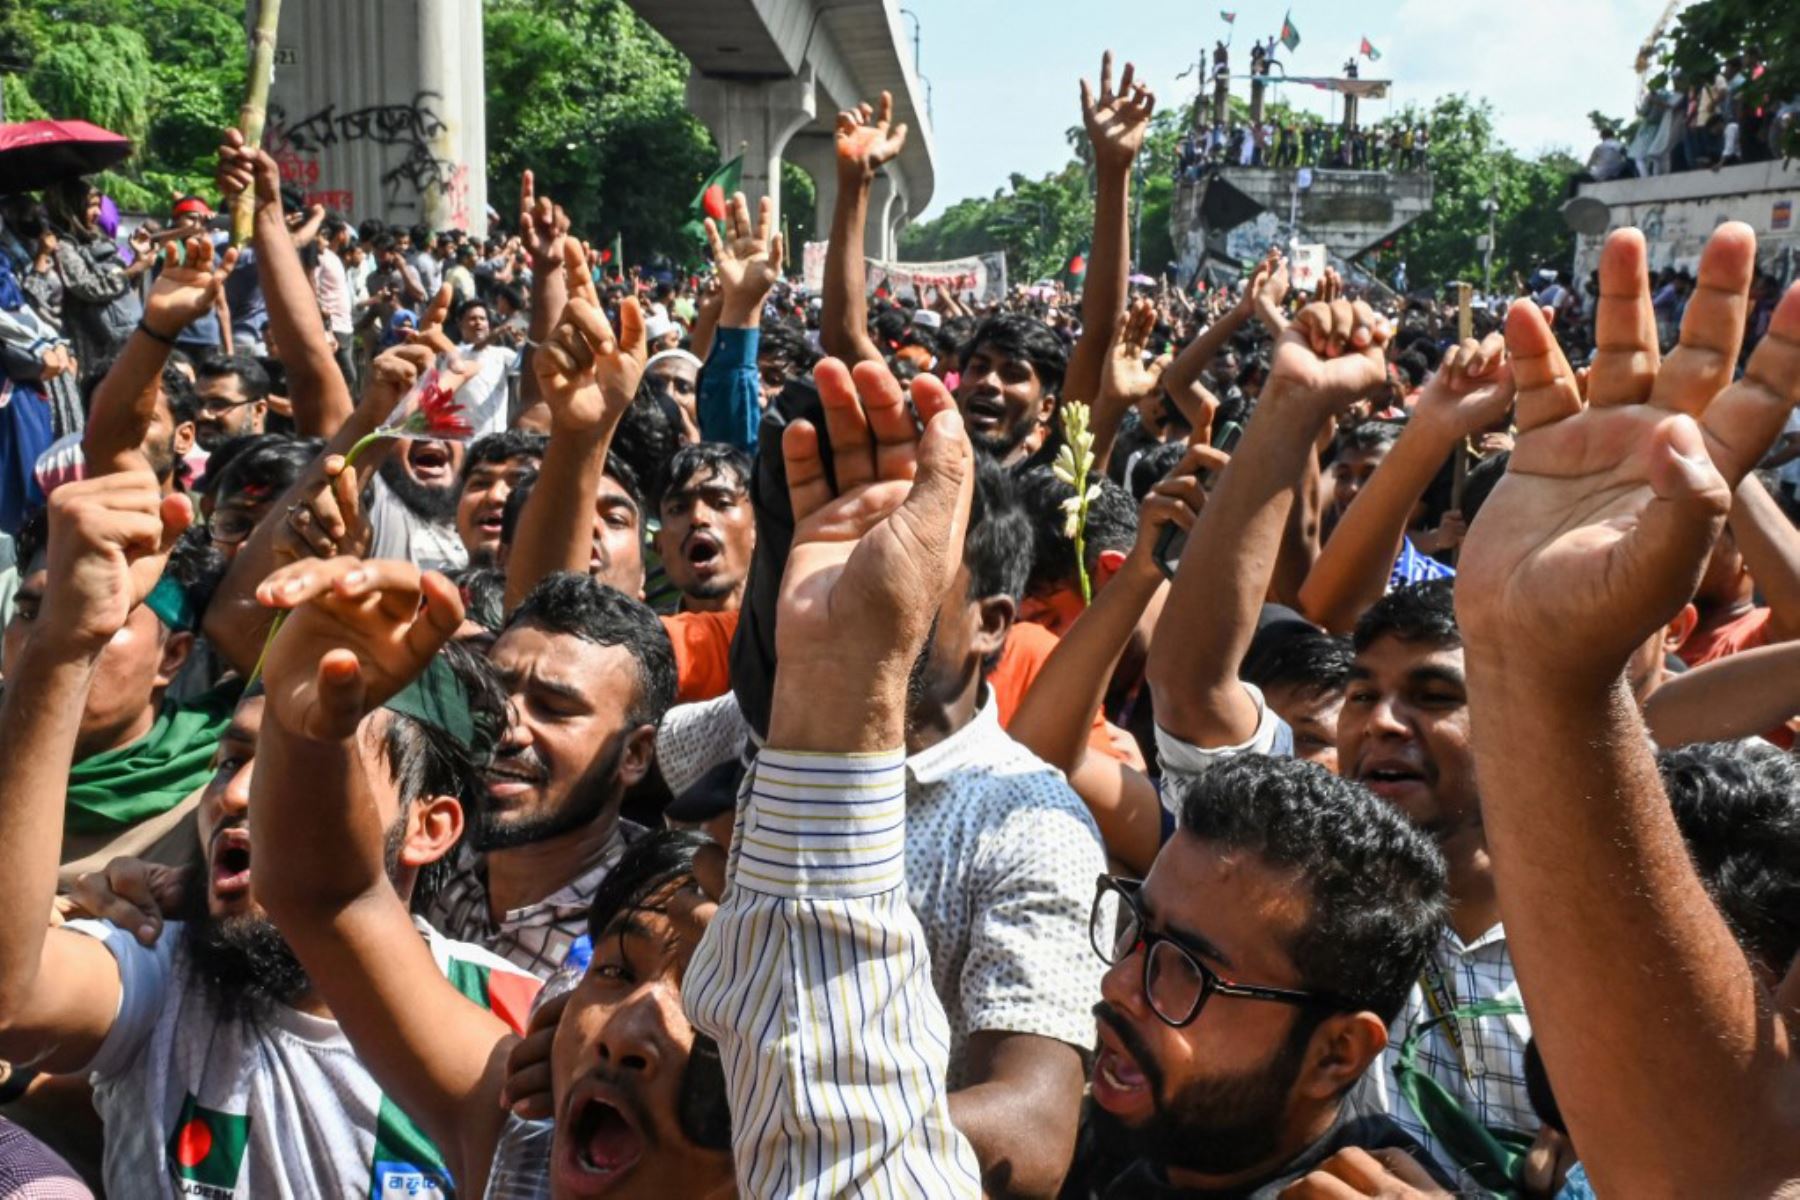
1349,211
1678,212
378,109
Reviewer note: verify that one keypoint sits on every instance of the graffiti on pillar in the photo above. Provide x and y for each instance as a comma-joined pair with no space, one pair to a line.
296,145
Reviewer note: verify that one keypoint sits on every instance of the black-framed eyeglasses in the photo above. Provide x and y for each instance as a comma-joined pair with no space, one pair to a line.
1176,983
218,404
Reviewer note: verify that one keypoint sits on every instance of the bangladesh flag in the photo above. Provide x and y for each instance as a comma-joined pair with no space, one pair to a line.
714,195
1369,51
1076,271
1230,18
1290,36
208,1146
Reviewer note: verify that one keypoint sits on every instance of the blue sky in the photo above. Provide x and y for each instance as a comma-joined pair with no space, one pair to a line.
1004,72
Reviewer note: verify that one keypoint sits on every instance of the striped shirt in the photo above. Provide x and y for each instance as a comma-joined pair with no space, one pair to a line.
814,978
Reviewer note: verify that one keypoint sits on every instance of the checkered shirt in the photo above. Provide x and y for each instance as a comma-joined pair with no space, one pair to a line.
535,937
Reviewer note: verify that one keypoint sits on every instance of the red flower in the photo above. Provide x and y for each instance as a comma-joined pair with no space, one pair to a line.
439,415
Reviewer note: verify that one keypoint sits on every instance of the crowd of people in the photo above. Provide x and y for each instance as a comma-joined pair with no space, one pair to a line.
481,722
1684,125
1306,141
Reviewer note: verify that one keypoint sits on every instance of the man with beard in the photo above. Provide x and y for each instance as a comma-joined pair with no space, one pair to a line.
412,505
639,1098
588,674
233,395
1254,975
1402,731
708,528
206,1047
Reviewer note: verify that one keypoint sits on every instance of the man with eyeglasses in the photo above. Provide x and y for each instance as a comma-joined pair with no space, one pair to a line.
1253,976
233,391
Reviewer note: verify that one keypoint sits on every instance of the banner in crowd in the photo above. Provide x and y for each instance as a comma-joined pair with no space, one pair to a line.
1306,266
980,275
1363,89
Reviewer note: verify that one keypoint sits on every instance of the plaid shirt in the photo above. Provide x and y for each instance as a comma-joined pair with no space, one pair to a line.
536,937
30,1170
1487,1074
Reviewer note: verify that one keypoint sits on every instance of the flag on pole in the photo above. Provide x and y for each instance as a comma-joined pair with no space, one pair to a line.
1230,18
1369,51
1290,36
1076,270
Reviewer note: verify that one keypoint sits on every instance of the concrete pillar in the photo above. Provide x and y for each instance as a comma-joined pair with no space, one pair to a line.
816,154
878,227
756,119
378,109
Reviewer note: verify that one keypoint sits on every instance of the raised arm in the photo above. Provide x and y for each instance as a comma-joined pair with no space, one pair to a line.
588,378
1198,354
1116,123
357,633
1471,390
1738,696
865,143
1328,357
1592,542
1125,381
124,403
817,897
316,386
543,232
109,537
1056,714
749,262
1771,549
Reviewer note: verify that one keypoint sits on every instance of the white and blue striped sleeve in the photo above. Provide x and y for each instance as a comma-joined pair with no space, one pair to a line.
814,979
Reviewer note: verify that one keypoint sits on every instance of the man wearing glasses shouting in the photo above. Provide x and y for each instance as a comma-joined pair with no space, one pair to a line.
1254,975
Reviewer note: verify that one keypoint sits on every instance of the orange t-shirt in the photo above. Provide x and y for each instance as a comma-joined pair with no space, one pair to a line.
702,643
1746,633
1027,646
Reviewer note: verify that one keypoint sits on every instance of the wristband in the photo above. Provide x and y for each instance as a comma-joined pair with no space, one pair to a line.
154,336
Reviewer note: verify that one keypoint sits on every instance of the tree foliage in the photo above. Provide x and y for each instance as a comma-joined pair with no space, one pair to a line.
165,73
1711,32
594,102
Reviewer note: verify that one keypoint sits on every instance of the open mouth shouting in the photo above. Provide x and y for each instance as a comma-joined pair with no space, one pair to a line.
430,463
704,552
1390,778
1120,1085
598,1141
984,412
229,863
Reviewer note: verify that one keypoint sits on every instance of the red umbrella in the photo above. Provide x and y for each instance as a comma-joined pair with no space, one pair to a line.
36,153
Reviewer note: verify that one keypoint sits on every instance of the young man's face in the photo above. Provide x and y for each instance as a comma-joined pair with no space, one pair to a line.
676,378
617,558
620,1064
1222,1094
166,442
482,506
708,535
1403,733
1350,471
133,667
569,752
423,474
1312,713
1002,401
475,324
224,411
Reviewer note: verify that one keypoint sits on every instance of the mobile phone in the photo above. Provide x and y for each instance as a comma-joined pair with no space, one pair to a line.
1173,539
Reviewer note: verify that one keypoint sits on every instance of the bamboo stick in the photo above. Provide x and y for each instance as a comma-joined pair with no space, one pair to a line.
256,107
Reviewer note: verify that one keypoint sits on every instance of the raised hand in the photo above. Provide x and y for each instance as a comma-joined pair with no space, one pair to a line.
1268,291
543,227
587,374
748,258
1127,380
188,287
1116,121
867,138
1472,389
872,556
326,521
109,538
1599,531
357,632
242,166
1330,356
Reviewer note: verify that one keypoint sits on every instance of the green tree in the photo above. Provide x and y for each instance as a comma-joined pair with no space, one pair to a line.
1710,33
593,101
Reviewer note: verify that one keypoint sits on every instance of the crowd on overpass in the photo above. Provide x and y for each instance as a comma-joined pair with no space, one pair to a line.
483,719
1306,142
1688,125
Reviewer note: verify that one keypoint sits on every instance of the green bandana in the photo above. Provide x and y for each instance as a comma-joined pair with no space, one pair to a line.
436,698
110,792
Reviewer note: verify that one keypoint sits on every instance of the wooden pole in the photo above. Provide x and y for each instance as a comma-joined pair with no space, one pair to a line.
256,106
1465,328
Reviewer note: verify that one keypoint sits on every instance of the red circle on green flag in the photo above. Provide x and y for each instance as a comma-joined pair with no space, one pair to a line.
193,1143
1078,265
714,202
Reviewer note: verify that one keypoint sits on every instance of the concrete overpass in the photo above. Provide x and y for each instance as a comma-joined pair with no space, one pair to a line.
769,77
